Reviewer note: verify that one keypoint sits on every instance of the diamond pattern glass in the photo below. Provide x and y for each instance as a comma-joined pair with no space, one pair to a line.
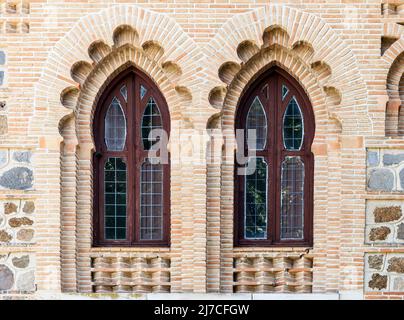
115,199
292,198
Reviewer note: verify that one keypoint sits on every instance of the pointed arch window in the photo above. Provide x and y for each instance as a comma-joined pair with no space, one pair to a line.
274,202
131,189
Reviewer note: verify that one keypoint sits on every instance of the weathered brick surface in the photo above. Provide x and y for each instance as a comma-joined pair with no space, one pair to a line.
57,57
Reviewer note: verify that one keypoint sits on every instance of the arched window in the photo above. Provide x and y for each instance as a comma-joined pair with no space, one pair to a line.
131,190
274,202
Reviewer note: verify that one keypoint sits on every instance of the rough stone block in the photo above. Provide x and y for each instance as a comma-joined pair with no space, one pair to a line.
21,262
402,179
25,234
3,158
29,207
2,58
393,159
3,120
397,284
25,281
378,281
396,264
400,231
375,262
379,234
18,222
22,156
6,278
373,158
4,236
10,207
387,214
381,179
19,178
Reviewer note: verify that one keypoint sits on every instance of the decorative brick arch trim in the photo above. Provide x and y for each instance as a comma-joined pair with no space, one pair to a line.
296,67
394,58
298,42
310,81
107,69
393,30
150,29
77,70
394,61
292,28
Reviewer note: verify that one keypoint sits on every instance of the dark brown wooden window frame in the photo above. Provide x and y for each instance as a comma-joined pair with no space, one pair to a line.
133,153
273,153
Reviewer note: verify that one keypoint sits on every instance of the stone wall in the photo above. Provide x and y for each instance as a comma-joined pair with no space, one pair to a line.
385,222
384,232
17,223
16,171
17,273
386,170
384,272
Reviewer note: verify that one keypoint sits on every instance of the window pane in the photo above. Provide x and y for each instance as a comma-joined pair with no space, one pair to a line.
256,120
115,127
115,199
285,92
151,120
293,126
143,92
292,198
124,92
255,220
151,201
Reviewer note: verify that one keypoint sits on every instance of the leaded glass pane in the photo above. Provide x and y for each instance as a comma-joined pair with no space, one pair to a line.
256,120
292,198
115,199
151,120
293,126
124,92
115,127
256,217
151,201
285,92
143,91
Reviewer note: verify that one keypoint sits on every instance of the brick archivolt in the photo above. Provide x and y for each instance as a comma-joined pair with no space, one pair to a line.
289,37
394,61
92,78
107,62
313,53
119,35
393,30
394,58
77,70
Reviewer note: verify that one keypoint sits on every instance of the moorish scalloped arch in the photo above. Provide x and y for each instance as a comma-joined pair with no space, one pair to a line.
392,59
78,68
393,30
291,27
394,62
298,42
95,34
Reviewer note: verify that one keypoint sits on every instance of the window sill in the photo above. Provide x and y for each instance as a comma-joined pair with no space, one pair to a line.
130,249
272,249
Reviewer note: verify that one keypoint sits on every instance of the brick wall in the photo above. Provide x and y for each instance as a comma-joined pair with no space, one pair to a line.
56,58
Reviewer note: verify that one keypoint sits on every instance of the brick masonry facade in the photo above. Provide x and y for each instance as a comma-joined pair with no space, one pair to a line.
57,57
